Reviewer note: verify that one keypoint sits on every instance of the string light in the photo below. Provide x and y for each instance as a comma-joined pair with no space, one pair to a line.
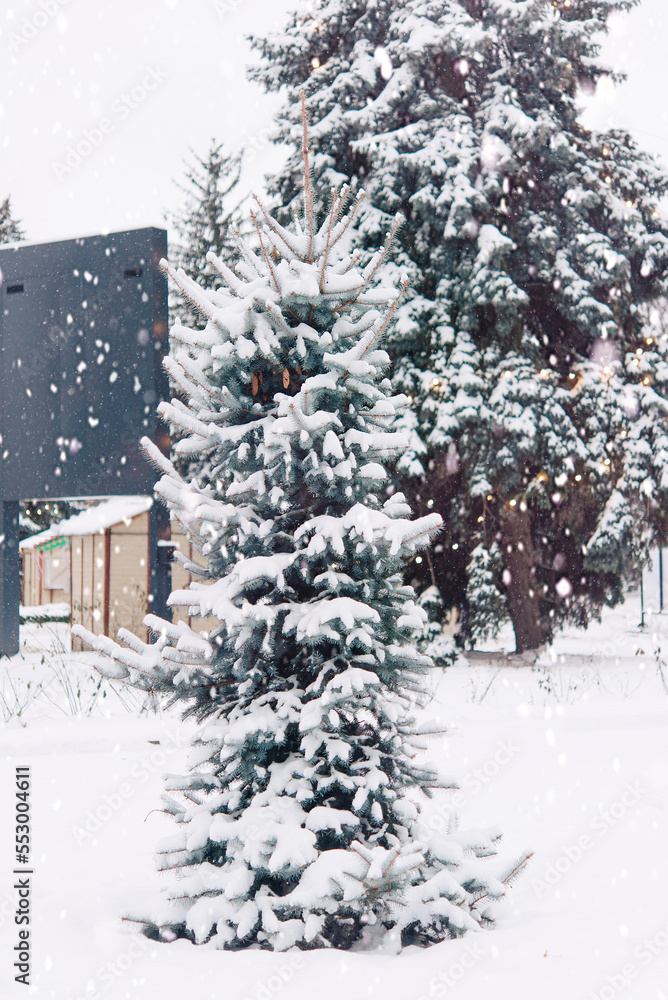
315,62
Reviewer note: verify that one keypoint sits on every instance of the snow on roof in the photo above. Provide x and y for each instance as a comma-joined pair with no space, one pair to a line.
92,521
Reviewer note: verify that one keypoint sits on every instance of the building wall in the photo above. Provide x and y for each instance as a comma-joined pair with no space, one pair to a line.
128,576
31,578
42,568
109,573
88,583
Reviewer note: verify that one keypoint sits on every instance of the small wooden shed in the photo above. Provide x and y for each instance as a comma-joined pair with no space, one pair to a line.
98,563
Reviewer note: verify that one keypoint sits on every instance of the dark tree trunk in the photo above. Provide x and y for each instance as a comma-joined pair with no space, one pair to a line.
519,572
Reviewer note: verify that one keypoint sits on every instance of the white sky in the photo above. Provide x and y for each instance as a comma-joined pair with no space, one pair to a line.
86,56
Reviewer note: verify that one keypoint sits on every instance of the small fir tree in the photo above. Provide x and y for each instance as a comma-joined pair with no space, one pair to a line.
295,824
533,247
11,231
205,221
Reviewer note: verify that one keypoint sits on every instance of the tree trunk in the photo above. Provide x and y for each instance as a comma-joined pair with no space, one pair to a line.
519,577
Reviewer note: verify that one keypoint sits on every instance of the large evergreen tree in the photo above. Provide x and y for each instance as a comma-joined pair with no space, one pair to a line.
533,248
295,825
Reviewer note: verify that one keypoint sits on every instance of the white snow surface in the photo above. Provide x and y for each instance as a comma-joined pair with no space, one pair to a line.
568,757
95,519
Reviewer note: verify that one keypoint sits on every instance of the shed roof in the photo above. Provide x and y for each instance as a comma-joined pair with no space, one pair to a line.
92,521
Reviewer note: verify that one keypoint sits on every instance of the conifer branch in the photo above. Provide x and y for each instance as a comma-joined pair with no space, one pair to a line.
346,223
191,290
354,261
378,261
196,537
517,869
279,231
226,273
430,530
276,314
348,302
159,460
246,254
264,252
388,317
308,192
326,253
171,363
193,426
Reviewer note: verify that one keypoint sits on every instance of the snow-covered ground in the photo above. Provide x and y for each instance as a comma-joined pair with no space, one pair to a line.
569,757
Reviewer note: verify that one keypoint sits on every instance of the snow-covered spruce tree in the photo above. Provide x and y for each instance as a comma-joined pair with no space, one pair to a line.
204,222
10,230
295,824
533,247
